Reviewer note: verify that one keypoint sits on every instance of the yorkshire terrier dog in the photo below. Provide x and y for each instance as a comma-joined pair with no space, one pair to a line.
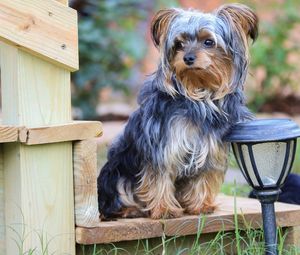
171,158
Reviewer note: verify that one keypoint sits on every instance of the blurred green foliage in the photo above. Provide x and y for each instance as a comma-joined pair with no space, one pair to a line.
111,46
271,51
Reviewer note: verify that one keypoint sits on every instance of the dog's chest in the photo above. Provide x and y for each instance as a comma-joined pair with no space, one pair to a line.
188,151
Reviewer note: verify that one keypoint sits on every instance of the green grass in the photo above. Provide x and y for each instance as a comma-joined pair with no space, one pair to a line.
243,241
240,190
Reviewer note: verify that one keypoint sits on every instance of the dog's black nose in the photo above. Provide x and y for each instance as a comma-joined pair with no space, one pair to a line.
189,59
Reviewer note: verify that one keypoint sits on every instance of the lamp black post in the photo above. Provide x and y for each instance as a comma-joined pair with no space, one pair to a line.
264,150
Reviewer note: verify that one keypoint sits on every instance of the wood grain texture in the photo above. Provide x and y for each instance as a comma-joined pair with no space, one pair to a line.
222,219
121,230
248,210
8,134
85,183
65,2
46,29
37,93
76,130
38,179
35,199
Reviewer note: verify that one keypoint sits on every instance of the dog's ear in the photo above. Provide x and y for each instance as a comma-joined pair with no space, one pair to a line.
160,24
241,18
239,23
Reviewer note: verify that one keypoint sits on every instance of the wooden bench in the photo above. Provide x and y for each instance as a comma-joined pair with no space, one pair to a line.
90,230
248,210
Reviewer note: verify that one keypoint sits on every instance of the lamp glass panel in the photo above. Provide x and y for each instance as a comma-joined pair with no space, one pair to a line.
269,159
292,144
238,159
248,165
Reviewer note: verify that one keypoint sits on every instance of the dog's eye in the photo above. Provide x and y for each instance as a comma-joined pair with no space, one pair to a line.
209,43
179,45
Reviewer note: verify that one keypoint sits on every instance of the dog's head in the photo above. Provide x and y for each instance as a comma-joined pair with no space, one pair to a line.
207,53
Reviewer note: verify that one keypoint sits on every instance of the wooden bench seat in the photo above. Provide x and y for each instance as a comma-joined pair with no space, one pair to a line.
248,210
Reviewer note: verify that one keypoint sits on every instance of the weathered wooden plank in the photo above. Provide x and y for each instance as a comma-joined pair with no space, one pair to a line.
85,183
46,29
248,210
65,2
8,134
38,179
77,130
121,230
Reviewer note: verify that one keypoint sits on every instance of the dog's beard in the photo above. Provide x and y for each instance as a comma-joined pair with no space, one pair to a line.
208,77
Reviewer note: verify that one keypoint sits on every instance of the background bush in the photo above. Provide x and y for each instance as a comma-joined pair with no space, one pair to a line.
109,45
272,51
112,44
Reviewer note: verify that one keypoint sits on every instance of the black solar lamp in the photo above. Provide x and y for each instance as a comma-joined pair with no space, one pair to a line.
264,150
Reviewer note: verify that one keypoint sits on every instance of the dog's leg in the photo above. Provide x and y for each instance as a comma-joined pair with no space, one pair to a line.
197,195
157,194
130,208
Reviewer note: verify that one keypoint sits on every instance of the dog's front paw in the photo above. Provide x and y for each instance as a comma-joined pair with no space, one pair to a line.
133,212
203,209
206,209
160,212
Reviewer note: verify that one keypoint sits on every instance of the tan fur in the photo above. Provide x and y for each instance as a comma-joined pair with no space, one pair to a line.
132,212
209,76
183,142
185,184
243,20
205,34
160,24
125,193
218,153
159,29
157,192
197,195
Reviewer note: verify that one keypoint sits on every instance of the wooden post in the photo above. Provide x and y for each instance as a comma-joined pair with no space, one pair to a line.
85,181
39,201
